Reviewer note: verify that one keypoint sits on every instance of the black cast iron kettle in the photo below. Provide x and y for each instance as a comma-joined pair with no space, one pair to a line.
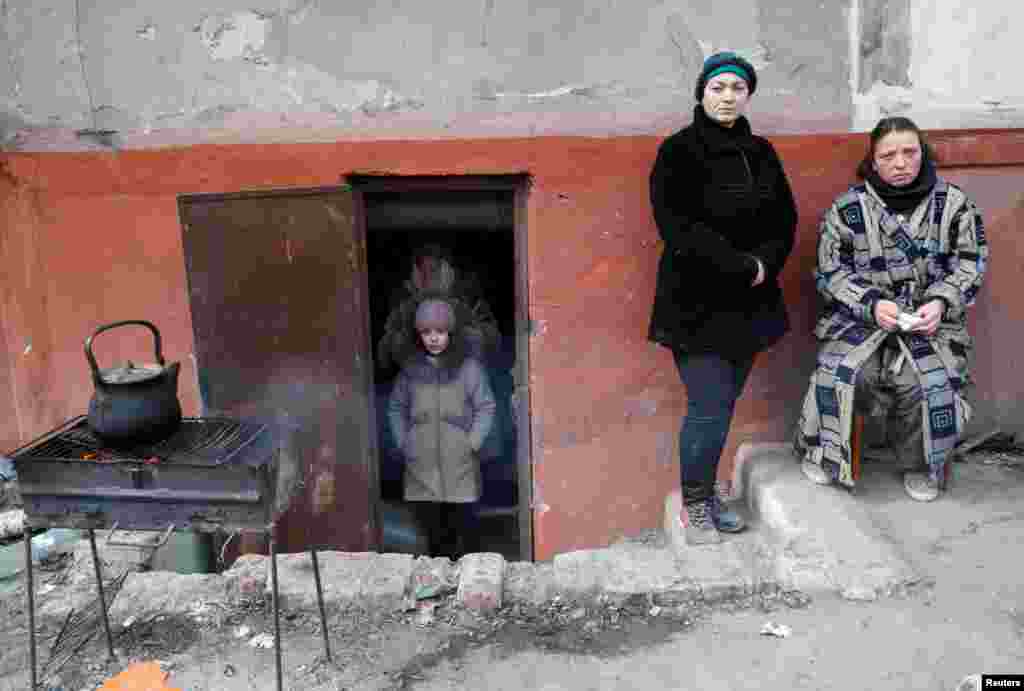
133,404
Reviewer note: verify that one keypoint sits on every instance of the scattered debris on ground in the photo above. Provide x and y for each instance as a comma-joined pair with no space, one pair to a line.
777,630
994,448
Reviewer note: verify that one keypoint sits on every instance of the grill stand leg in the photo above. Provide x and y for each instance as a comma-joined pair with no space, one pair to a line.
277,614
30,588
320,601
99,586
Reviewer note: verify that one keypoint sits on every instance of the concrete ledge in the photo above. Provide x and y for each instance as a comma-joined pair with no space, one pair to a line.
826,539
529,583
617,572
149,594
626,570
367,578
804,537
387,583
744,454
738,565
341,574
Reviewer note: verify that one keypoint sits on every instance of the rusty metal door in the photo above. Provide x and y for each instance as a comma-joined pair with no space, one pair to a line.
277,288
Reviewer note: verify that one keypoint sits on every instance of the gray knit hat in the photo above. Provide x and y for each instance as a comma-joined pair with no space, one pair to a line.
725,62
436,314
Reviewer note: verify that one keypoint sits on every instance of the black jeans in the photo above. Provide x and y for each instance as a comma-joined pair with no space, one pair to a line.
713,384
451,528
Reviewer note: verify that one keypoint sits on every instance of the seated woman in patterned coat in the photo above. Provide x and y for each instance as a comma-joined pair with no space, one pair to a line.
901,257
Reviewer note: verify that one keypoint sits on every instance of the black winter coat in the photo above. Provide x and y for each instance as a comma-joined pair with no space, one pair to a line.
720,198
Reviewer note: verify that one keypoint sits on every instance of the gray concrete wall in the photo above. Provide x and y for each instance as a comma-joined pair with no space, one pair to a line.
161,73
959,71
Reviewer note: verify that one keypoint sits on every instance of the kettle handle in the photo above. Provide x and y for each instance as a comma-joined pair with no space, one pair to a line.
106,327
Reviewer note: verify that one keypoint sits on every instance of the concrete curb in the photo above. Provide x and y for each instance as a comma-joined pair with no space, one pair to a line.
826,538
811,538
393,582
740,564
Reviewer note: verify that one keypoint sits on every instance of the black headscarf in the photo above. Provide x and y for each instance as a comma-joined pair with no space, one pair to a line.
906,198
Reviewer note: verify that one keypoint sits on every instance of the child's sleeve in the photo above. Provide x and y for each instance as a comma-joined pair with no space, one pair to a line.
481,400
398,410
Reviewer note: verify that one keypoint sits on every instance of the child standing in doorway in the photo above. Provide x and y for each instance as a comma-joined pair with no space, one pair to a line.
440,411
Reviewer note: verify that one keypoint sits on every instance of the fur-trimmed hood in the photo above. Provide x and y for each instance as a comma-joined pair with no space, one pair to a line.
407,351
472,335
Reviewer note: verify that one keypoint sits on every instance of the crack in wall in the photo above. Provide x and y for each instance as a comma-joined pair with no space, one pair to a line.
884,43
691,53
12,56
487,16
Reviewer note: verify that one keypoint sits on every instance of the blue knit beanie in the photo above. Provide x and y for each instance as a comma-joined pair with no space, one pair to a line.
725,62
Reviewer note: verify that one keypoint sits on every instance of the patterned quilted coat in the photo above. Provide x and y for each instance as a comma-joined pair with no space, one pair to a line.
867,253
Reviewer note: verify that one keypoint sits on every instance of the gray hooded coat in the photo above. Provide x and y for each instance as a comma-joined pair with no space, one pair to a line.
440,412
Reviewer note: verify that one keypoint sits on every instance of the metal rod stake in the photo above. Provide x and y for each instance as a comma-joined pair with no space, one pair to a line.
30,587
99,586
277,616
320,601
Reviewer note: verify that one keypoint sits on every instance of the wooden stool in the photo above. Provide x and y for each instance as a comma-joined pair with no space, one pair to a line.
857,450
856,445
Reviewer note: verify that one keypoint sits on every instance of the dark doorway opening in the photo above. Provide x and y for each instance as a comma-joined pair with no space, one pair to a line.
477,227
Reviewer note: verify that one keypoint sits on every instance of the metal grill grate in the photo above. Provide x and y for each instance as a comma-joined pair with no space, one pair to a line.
198,441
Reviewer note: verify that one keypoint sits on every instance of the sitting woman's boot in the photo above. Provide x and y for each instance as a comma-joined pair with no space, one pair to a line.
815,473
726,520
921,486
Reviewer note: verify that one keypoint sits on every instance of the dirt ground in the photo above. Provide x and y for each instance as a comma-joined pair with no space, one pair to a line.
370,650
966,616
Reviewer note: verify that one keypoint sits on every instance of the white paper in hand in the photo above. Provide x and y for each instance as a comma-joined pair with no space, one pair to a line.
908,321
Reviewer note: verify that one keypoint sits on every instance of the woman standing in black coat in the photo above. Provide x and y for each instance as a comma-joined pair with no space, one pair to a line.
726,214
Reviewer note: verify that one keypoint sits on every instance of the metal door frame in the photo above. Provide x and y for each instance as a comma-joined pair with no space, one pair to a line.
519,184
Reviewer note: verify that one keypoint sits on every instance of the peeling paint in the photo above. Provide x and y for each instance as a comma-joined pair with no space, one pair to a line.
592,91
690,52
536,503
297,15
488,69
666,446
323,493
241,35
640,406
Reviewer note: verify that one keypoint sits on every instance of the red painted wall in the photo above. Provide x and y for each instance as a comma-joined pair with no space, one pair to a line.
91,238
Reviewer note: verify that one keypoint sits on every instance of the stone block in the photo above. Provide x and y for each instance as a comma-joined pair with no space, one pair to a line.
575,573
341,575
160,592
481,579
363,578
114,560
432,576
12,523
248,578
386,582
529,583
